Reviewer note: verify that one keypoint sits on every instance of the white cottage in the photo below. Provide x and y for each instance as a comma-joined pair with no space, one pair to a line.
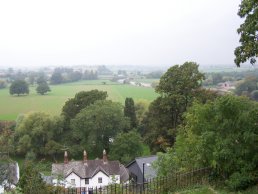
89,173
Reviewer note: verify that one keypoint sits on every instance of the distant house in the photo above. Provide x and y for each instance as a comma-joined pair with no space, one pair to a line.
141,168
9,175
89,173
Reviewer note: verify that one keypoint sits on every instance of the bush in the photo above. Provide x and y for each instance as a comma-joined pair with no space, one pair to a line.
239,181
30,156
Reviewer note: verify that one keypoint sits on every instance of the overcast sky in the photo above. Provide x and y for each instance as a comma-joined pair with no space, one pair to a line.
138,32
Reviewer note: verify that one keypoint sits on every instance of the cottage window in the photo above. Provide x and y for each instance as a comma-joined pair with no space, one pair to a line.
86,181
73,181
100,180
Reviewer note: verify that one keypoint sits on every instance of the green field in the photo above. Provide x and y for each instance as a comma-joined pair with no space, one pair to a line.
52,103
147,80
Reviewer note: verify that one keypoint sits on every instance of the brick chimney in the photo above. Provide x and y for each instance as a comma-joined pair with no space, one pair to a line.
85,157
105,159
65,157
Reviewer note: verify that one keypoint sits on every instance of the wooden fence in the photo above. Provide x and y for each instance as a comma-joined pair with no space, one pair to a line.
159,185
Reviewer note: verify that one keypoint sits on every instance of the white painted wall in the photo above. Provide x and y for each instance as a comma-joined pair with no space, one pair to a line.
69,182
93,182
17,171
1,189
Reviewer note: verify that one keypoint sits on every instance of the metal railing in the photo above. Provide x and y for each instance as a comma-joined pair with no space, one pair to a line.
159,185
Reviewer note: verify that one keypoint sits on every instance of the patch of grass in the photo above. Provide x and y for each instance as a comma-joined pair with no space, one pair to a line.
52,103
147,80
201,190
210,190
146,150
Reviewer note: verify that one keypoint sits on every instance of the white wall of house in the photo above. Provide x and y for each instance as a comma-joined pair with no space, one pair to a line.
17,171
69,180
93,182
1,189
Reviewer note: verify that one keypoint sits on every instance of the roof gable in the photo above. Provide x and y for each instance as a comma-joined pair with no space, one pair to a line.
72,172
100,170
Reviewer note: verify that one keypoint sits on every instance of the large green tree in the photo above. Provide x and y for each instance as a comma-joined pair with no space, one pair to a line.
43,88
126,147
30,181
248,31
56,78
222,135
129,111
177,89
6,141
35,131
95,126
19,87
81,100
157,126
178,85
141,107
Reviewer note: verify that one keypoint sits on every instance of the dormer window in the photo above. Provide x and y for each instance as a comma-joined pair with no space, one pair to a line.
99,180
87,181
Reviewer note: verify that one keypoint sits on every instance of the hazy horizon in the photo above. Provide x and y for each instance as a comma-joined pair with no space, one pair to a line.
115,32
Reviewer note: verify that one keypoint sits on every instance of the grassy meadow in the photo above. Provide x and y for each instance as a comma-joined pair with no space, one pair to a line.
52,103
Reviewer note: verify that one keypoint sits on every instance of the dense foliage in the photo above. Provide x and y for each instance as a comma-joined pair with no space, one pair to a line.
36,131
95,126
177,88
129,111
95,123
64,75
248,31
42,88
19,87
56,78
126,147
80,101
223,135
31,181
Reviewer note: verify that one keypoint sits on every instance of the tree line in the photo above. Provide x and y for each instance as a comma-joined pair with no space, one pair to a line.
19,81
64,75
